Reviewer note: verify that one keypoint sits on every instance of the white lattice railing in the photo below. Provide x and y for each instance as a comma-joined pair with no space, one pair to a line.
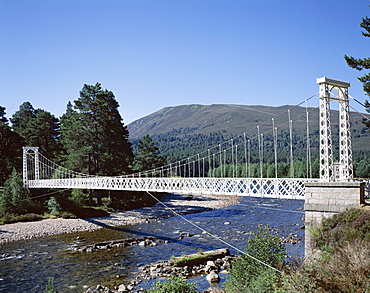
259,187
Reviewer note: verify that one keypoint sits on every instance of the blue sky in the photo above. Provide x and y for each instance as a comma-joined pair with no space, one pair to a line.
158,53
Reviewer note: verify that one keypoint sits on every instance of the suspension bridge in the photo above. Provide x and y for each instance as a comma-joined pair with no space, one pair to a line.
195,175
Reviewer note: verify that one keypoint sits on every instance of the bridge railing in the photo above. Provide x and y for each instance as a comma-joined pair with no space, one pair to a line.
259,187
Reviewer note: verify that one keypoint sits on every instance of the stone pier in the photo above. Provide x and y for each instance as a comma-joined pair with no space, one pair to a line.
324,199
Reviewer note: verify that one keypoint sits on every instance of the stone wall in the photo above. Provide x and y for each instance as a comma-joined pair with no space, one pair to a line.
324,199
333,196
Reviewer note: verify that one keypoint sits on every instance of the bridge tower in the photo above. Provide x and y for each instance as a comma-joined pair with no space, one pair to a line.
27,151
344,169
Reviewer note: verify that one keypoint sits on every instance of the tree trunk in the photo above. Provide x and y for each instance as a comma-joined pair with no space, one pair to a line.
91,200
111,196
98,197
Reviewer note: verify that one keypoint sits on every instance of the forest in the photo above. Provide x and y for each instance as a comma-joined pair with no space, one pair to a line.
179,144
91,138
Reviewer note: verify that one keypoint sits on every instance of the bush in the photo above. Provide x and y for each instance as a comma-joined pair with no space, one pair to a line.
248,275
174,285
53,205
78,197
13,218
14,198
346,226
346,269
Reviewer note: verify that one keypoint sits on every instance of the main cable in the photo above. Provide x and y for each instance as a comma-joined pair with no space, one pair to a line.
214,236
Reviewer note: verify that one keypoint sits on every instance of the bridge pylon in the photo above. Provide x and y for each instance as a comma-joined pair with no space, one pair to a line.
330,171
27,151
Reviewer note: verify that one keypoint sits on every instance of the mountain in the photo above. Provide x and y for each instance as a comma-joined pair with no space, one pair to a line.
204,119
187,129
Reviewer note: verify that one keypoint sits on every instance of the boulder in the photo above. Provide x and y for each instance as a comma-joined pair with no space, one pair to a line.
213,277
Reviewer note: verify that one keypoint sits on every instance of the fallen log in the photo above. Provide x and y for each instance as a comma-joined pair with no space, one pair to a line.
199,257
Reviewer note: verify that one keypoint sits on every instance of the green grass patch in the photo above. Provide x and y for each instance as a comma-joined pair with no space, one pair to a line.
187,258
13,218
174,285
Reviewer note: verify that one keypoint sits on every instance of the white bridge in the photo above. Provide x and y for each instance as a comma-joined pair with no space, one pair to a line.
191,178
259,187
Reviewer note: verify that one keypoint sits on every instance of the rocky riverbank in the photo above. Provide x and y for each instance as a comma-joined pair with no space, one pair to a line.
180,203
208,263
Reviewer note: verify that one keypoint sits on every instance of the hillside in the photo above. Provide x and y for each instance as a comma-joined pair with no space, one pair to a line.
224,121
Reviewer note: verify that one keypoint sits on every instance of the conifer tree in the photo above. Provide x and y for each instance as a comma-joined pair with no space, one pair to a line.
14,198
38,128
362,63
93,135
147,156
10,148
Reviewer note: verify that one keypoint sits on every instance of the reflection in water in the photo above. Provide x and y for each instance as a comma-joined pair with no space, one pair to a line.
27,264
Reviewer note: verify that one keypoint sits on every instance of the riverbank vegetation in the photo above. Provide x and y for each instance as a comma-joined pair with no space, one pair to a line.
341,256
340,261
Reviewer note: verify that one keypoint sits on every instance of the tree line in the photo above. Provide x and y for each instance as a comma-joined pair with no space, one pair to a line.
89,138
180,144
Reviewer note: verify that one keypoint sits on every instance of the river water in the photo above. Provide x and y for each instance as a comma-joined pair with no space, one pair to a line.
29,263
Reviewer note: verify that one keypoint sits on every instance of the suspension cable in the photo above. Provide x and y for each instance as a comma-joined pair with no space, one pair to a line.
357,101
214,148
309,163
362,114
213,235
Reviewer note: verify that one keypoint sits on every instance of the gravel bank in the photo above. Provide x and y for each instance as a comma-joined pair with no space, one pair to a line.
180,203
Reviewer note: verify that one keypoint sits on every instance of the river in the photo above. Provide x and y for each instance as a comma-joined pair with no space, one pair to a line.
27,264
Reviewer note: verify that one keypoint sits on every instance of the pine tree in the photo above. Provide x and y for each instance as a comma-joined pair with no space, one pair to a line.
147,156
38,128
93,135
21,119
362,63
10,148
15,198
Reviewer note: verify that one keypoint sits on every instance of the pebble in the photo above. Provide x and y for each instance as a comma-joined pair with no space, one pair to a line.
28,230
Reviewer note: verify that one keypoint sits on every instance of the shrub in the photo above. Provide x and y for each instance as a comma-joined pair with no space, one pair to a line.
53,205
8,218
78,197
14,198
347,226
174,285
249,275
346,269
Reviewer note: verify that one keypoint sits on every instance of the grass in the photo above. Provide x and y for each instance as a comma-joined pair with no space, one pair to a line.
123,201
174,285
13,218
346,269
351,225
188,258
342,259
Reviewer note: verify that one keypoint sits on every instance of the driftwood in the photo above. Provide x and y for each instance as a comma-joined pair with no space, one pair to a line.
199,258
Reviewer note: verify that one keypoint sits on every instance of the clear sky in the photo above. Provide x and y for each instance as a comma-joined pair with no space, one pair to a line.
158,53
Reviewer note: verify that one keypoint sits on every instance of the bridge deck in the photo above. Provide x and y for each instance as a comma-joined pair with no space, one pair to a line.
259,187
